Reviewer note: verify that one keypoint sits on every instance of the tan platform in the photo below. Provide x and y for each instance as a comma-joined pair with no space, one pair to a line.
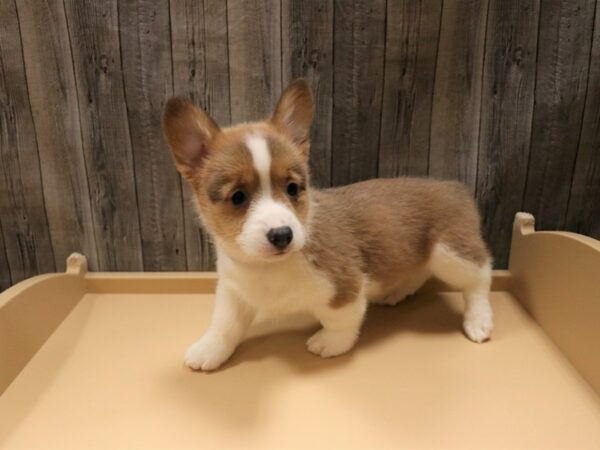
94,360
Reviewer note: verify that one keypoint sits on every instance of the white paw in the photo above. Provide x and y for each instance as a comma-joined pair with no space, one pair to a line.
478,325
327,343
207,354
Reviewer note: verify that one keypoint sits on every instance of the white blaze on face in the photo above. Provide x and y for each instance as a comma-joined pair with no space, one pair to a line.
261,158
265,212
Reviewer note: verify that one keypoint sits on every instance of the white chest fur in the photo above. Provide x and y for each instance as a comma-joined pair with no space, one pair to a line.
287,286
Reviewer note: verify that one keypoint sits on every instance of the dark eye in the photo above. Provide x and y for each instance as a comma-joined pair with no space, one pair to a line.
238,198
293,189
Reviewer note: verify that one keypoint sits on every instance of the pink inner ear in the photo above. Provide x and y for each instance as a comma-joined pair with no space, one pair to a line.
293,120
194,149
297,130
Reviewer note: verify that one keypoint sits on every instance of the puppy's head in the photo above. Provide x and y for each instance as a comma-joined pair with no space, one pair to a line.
250,180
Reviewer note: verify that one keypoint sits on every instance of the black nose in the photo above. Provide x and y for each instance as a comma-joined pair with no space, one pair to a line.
280,237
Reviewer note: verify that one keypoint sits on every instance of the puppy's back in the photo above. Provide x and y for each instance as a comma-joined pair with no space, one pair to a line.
393,224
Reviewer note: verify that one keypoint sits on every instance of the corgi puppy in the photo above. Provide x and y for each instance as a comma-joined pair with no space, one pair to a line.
284,247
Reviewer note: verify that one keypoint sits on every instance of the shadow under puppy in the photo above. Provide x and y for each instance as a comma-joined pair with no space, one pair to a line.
284,247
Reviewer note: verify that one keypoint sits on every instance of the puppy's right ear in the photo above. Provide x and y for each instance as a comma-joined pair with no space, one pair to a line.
189,132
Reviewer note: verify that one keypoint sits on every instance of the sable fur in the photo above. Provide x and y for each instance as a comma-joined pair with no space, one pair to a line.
388,227
377,240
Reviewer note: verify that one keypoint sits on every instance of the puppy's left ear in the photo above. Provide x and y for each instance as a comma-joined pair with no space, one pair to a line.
294,113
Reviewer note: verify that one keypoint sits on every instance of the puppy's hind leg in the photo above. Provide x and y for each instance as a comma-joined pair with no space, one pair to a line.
474,280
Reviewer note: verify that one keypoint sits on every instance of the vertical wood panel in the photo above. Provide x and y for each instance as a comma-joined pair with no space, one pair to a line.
410,57
562,72
254,29
94,34
359,49
200,73
146,52
506,114
307,52
49,70
583,213
5,281
22,210
453,89
457,91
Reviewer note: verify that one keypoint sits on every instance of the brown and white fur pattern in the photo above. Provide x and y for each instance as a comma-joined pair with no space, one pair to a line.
375,241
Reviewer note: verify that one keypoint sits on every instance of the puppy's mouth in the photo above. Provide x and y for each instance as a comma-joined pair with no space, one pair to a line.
278,253
272,253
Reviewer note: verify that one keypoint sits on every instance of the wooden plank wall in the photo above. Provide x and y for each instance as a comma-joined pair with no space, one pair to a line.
27,249
503,95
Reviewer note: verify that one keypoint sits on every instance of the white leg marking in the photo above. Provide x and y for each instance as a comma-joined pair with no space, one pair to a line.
261,157
475,283
231,318
340,330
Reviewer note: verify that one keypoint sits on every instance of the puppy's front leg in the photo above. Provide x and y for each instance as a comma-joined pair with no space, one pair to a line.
341,327
231,318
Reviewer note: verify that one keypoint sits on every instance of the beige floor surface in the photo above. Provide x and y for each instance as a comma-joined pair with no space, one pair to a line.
111,376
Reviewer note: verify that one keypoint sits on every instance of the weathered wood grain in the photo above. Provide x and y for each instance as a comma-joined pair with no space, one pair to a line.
51,84
254,33
307,52
410,57
5,280
457,91
200,55
359,50
144,28
583,214
94,37
24,222
562,72
462,89
506,114
200,73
